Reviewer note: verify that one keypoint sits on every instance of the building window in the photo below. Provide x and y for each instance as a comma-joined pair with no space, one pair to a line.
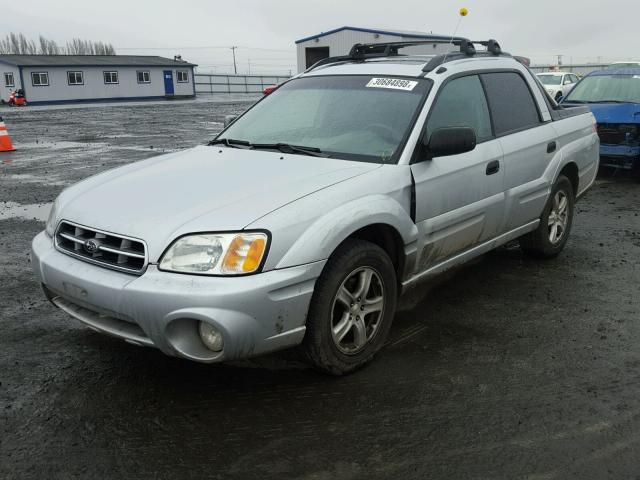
183,76
75,78
39,79
8,80
143,77
110,77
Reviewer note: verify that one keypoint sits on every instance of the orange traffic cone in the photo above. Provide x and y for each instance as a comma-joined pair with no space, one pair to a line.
5,139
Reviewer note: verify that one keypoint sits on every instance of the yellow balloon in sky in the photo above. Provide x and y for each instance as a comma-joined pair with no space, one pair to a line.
463,12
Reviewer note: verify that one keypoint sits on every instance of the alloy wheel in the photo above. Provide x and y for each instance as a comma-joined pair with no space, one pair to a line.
357,310
558,217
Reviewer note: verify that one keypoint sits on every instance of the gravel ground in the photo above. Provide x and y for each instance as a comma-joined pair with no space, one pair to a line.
506,368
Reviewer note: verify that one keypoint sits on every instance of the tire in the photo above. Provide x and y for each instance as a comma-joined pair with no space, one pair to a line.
539,243
338,340
558,97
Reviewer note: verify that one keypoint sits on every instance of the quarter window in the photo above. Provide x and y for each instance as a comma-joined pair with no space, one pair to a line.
143,77
8,80
512,105
461,103
183,76
110,77
75,78
39,79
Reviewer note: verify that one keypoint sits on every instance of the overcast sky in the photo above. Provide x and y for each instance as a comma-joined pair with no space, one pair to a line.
265,30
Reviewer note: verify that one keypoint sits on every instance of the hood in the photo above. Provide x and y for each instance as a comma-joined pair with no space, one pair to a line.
204,189
615,112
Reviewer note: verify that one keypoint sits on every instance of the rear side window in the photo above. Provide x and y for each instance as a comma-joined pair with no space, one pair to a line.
461,103
512,105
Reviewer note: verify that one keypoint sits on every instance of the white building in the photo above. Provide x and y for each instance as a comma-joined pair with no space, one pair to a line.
339,42
95,78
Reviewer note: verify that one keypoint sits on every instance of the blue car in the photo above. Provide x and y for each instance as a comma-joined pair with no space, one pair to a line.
614,98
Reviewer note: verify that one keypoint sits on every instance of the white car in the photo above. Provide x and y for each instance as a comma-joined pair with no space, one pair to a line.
558,84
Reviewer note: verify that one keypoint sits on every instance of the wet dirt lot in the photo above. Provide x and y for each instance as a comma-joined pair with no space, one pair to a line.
506,368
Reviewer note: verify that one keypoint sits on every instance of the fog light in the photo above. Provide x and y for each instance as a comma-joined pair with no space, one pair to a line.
210,336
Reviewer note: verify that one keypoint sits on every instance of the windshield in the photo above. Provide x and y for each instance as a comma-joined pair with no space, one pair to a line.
352,117
607,88
550,79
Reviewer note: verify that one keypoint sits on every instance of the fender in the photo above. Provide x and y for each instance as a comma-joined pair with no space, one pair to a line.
579,146
328,231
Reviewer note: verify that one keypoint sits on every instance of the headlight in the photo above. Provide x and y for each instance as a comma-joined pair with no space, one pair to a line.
216,253
50,228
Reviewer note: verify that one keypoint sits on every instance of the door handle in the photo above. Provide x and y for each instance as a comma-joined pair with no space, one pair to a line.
493,167
551,147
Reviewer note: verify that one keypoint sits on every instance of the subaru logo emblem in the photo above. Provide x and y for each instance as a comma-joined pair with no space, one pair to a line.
91,246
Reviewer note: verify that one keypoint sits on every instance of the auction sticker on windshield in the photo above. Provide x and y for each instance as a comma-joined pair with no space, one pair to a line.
395,83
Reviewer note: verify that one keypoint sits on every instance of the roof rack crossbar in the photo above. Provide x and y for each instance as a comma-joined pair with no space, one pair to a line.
364,51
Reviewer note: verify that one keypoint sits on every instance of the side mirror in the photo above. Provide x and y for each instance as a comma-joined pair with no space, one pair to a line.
229,119
450,141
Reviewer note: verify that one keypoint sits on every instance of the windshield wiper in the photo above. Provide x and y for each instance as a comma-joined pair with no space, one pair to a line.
229,142
611,101
288,148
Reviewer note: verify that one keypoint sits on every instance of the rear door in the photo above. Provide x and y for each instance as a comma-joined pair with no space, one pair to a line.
459,198
528,144
168,82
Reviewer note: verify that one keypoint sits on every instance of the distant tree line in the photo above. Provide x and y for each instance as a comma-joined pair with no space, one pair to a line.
19,44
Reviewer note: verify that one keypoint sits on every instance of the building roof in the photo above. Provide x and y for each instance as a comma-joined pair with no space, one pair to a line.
91,60
397,33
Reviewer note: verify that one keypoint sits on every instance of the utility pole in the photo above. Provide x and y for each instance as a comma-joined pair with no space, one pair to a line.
559,60
235,68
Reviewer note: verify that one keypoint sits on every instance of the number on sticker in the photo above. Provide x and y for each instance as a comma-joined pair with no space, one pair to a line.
395,83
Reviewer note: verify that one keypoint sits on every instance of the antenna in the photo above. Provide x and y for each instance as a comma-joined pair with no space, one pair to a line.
463,12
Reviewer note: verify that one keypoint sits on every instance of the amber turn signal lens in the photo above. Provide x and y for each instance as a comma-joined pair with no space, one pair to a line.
254,256
245,253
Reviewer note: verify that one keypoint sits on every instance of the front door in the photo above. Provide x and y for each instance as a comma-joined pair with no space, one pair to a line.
168,82
459,198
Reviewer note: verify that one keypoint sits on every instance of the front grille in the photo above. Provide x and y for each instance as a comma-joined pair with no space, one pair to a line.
617,134
102,248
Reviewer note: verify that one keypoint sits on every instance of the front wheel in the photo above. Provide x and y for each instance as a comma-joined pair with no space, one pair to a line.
352,308
548,240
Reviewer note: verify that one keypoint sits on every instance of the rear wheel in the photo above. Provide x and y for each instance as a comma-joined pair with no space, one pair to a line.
352,308
548,240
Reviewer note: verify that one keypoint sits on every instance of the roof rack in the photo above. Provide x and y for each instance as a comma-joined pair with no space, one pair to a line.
361,52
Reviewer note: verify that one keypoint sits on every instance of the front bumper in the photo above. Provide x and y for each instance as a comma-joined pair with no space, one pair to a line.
255,314
609,150
619,156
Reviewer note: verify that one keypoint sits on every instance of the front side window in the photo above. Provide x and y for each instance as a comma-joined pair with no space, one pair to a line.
183,76
143,76
511,103
39,79
607,89
75,78
461,103
110,77
8,80
353,117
